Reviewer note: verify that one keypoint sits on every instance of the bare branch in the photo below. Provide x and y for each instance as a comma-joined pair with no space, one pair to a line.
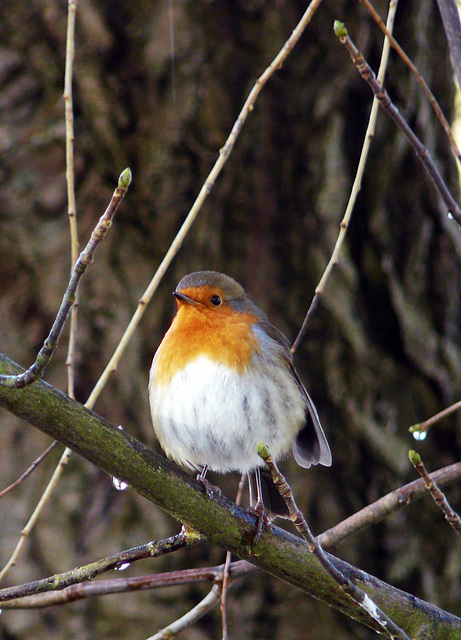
29,470
344,224
386,505
62,581
388,627
385,102
371,514
70,181
46,352
80,591
438,496
430,96
212,517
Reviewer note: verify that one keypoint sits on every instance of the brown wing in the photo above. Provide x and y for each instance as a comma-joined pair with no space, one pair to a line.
310,446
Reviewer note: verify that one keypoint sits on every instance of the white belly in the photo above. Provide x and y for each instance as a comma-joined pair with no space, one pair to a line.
211,415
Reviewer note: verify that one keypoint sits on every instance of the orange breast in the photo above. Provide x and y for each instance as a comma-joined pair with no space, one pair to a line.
222,335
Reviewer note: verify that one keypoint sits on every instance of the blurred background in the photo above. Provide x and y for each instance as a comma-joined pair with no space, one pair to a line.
157,87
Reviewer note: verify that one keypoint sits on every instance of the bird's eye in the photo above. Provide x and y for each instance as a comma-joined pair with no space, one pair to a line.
215,300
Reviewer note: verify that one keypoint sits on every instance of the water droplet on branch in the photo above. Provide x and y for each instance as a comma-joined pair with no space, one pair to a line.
120,485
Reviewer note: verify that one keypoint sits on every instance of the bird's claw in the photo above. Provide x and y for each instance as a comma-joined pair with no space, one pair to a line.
263,520
210,489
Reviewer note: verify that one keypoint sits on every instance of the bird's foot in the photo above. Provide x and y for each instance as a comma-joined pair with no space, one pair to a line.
263,520
210,489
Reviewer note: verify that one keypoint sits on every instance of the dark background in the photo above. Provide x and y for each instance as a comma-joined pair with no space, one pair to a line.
381,353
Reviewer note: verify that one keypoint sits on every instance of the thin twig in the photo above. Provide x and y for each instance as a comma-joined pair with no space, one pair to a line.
208,602
389,628
344,224
46,352
79,591
69,120
72,216
438,496
422,427
224,154
385,102
226,571
29,470
70,181
430,96
61,581
391,502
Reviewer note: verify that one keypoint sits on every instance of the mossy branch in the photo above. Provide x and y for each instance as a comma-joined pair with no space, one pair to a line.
214,518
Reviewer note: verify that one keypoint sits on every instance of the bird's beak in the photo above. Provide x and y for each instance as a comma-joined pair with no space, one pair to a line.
181,297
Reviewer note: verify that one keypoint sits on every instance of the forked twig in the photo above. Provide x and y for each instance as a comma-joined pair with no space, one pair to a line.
430,96
437,494
385,102
388,627
46,352
344,224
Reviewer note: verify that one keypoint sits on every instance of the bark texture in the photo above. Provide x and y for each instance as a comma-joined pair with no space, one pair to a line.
381,353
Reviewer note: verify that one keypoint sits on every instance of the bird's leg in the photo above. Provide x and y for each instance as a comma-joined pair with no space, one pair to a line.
210,489
258,507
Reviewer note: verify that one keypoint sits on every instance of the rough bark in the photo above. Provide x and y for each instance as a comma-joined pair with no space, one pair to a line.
383,350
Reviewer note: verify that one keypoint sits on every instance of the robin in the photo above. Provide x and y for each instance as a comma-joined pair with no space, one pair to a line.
222,381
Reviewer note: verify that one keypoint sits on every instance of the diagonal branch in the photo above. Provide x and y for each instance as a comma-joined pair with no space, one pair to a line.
357,184
208,185
60,593
355,593
46,352
438,496
377,511
385,102
209,601
423,84
213,518
29,469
